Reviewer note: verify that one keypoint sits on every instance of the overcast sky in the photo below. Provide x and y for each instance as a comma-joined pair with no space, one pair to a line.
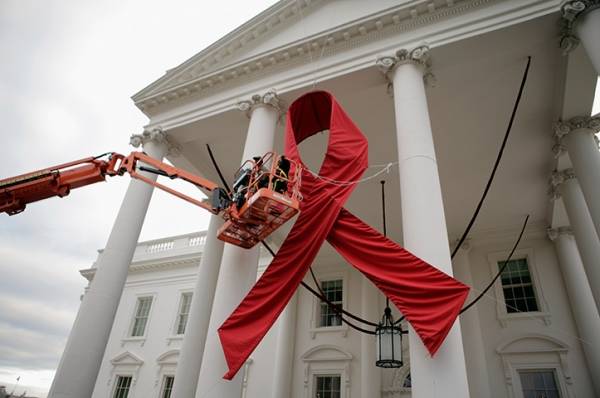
68,70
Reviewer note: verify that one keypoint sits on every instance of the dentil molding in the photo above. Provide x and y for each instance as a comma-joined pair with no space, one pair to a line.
571,11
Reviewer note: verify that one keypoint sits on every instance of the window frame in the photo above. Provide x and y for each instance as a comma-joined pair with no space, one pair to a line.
116,384
537,370
182,293
132,317
316,375
164,384
505,317
323,276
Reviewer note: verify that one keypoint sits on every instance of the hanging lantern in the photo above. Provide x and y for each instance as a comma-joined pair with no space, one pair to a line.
389,342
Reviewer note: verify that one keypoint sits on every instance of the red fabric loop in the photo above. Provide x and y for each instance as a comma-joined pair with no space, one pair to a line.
429,298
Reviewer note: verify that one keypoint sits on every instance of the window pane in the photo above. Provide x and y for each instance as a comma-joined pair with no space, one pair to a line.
333,290
167,387
122,386
539,383
141,316
184,310
517,286
327,386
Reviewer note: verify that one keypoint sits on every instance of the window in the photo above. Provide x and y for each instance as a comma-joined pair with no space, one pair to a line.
184,310
167,387
327,386
539,384
122,387
517,286
333,290
141,316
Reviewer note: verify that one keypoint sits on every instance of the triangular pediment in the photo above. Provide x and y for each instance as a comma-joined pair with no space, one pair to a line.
127,358
289,29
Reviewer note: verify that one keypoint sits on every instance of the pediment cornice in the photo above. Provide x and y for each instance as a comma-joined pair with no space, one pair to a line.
208,71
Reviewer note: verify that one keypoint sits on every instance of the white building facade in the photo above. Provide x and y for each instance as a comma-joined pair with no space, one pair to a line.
431,84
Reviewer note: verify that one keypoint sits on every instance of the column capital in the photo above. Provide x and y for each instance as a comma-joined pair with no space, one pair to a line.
419,56
554,233
571,11
556,179
563,128
270,98
156,135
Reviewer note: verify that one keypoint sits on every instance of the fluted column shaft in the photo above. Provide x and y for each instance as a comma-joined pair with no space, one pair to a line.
284,355
423,219
589,246
370,375
192,347
470,326
238,266
582,301
81,359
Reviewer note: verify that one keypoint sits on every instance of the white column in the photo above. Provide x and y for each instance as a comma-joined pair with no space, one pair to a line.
423,220
581,22
578,137
583,305
565,184
80,362
238,266
192,347
284,356
370,375
470,326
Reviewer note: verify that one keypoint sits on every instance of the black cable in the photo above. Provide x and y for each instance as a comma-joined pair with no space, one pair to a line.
214,162
476,299
322,297
489,286
489,183
387,299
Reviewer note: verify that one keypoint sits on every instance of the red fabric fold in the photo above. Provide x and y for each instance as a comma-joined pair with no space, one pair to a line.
430,299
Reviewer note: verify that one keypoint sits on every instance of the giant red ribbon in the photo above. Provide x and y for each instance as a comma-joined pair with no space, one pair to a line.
429,298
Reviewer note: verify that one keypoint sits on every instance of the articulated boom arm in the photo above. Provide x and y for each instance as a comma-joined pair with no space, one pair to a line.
17,192
265,195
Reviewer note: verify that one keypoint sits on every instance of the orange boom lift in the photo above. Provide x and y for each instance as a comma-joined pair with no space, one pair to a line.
264,194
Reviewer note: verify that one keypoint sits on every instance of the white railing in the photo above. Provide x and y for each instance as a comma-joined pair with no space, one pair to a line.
197,240
160,247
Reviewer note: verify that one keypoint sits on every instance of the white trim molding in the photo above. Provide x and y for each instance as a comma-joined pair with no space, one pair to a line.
124,364
535,352
503,316
167,364
326,359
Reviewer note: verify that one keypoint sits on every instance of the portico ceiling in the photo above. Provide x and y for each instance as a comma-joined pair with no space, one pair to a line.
476,83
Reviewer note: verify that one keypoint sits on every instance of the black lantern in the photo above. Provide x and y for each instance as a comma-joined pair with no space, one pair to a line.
389,342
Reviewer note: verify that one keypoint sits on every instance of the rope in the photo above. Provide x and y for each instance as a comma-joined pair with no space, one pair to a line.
386,168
